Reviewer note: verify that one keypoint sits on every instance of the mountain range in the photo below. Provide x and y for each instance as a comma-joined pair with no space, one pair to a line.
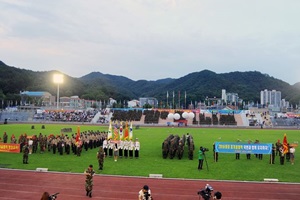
98,86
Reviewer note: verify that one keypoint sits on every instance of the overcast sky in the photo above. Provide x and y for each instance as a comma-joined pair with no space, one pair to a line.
152,39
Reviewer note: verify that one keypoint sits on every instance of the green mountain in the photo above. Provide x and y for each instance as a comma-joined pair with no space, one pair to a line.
98,86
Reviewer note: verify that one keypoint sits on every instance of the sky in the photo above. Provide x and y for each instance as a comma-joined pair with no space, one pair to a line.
152,39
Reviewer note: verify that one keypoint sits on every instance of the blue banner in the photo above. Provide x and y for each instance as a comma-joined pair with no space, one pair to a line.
243,148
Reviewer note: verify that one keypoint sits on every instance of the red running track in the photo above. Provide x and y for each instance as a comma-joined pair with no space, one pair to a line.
16,184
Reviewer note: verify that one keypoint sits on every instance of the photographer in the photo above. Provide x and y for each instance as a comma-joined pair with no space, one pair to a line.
206,192
47,196
218,195
200,158
145,193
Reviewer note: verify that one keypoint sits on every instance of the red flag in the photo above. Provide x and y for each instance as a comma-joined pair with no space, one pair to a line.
126,133
285,145
78,134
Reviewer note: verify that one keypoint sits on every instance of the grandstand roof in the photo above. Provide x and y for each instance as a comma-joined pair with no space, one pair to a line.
35,93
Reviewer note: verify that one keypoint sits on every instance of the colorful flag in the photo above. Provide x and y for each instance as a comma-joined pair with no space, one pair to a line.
109,134
126,132
285,145
116,133
121,131
130,132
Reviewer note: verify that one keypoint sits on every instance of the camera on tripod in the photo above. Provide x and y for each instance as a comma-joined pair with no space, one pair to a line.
206,192
53,196
203,149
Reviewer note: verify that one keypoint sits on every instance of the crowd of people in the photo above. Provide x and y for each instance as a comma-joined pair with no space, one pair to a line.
70,116
75,144
279,150
121,148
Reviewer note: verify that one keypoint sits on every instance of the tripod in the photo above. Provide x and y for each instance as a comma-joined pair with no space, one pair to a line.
205,161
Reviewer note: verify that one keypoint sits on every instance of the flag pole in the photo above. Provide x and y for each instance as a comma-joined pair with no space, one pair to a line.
185,99
173,100
167,99
179,99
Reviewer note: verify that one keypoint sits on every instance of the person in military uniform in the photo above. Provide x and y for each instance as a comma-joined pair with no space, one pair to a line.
282,155
25,154
278,145
89,174
54,145
272,155
100,157
4,137
67,145
79,147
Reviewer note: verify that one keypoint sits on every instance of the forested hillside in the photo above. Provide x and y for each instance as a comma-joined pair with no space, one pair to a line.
98,86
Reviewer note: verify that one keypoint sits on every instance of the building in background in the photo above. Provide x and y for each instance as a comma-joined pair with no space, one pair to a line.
148,100
40,98
270,98
229,98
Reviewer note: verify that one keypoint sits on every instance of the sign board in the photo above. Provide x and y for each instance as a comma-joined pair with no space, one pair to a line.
11,148
243,148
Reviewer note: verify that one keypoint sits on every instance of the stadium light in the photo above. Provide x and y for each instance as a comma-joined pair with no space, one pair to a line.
58,79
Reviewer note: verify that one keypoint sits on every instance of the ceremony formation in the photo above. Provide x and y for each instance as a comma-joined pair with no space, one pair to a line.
164,100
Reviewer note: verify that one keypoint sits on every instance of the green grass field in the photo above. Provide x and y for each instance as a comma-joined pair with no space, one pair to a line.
151,161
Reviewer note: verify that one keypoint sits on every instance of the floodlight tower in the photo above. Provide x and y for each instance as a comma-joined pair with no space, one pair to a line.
58,79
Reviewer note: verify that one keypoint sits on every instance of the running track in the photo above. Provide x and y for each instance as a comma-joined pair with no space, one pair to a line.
16,184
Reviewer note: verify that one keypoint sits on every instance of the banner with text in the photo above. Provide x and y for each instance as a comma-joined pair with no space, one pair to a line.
11,148
243,148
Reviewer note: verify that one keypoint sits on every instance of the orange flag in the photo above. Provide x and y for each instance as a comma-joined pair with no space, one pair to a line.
126,132
78,134
285,145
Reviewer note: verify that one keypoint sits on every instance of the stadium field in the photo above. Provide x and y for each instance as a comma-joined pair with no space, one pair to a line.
151,161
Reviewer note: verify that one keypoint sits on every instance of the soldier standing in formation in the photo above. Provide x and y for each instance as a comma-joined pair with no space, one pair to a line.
54,145
100,157
278,145
272,155
281,154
